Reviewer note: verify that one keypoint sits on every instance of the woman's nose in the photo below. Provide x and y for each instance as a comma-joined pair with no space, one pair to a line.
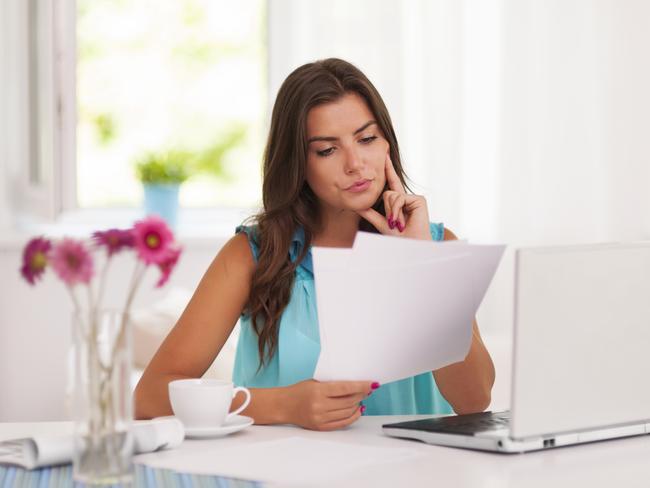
353,161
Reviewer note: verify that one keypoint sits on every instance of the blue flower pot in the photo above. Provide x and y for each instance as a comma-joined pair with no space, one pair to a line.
162,200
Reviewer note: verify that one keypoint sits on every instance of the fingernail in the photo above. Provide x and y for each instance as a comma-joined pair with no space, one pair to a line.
363,409
391,223
375,385
399,226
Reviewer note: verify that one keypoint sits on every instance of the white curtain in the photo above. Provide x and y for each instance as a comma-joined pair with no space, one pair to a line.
521,121
575,153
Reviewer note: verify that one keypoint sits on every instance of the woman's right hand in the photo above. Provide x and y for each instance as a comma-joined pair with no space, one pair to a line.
327,405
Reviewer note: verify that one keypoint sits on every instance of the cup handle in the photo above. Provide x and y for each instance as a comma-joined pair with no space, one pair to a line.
244,405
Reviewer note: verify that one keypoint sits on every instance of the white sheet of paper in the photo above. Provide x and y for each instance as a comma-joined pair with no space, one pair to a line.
291,461
391,308
369,247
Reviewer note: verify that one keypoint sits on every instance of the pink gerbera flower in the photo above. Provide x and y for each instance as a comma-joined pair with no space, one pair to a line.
167,265
72,262
35,259
152,239
114,240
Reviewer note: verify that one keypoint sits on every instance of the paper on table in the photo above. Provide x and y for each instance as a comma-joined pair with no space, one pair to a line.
387,320
290,461
50,450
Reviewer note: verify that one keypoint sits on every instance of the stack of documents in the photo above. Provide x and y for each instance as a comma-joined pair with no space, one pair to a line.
392,307
47,450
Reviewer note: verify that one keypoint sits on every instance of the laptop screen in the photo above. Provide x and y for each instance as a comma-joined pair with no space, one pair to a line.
581,338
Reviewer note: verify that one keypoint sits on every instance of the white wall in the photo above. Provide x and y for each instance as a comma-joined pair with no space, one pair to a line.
575,151
11,107
4,86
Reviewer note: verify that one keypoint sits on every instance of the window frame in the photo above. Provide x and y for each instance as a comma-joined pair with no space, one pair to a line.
43,49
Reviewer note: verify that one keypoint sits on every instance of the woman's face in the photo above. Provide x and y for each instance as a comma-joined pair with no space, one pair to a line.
346,154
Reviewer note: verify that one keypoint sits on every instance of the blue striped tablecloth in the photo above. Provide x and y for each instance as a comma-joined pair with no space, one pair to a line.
143,476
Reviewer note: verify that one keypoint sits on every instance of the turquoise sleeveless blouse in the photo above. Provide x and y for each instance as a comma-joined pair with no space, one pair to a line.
299,346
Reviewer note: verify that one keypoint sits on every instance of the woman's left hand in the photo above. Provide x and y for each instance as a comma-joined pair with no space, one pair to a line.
406,215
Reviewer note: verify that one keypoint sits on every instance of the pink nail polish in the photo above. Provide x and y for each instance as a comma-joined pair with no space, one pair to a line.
399,226
363,409
391,224
375,385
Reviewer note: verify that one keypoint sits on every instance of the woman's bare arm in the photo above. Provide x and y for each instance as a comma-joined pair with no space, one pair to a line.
202,330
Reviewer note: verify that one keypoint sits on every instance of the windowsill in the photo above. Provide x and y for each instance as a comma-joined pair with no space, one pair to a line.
196,226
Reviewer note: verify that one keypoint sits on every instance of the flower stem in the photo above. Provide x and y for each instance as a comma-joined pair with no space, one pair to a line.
91,305
75,302
77,313
135,283
102,282
138,274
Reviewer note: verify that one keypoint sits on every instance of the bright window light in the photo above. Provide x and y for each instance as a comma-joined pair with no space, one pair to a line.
163,74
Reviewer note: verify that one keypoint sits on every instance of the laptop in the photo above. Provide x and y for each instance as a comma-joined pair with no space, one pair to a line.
581,355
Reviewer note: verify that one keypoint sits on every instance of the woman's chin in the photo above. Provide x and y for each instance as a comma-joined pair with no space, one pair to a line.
361,203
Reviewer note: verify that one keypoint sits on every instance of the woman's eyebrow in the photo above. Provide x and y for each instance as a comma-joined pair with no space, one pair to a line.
329,138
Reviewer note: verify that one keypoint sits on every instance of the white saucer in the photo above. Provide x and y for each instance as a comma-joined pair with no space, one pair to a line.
233,424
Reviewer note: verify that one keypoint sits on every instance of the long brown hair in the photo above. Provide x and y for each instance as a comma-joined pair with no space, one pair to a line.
288,201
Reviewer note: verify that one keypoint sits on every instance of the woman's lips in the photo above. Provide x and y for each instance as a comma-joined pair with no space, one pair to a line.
359,186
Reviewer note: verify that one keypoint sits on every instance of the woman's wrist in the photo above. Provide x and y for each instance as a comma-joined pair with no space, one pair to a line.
268,405
284,407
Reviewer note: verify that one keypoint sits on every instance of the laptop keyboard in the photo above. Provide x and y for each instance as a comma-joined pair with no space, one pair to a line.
469,424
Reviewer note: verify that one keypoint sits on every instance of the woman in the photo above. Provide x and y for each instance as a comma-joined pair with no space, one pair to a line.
331,167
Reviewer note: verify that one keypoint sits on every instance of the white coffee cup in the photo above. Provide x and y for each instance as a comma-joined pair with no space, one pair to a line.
204,403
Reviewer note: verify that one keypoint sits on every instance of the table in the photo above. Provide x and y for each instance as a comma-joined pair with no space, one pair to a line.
621,462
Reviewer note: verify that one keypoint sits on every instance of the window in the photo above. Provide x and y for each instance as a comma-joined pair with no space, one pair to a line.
169,74
36,54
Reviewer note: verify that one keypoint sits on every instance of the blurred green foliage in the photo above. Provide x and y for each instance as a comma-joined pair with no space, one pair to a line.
177,165
166,166
106,127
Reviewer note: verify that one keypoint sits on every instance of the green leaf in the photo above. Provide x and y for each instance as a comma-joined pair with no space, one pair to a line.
211,159
177,165
170,166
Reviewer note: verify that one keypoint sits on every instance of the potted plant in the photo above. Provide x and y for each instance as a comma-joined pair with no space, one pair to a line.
162,172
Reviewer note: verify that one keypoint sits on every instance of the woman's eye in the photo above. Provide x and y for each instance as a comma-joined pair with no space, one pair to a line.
325,152
368,140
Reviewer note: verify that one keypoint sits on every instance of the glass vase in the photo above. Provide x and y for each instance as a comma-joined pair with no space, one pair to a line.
102,397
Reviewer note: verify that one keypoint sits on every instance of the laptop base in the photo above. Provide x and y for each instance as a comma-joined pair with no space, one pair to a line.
488,431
